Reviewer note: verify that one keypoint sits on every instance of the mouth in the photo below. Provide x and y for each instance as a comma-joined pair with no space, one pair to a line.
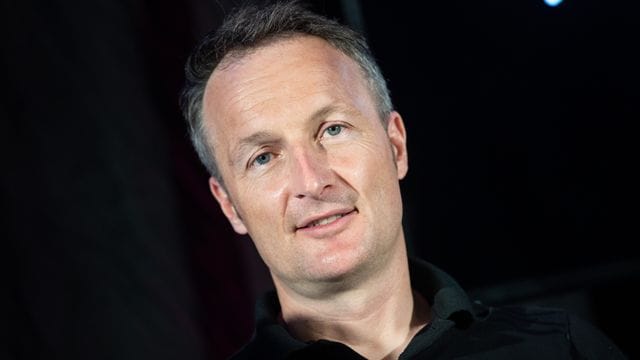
324,220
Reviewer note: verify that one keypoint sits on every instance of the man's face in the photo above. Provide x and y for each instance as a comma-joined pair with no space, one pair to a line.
310,171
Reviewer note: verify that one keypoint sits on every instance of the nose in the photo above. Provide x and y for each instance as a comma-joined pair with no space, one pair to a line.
311,173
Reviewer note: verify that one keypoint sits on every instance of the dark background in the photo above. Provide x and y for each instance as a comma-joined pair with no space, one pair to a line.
519,119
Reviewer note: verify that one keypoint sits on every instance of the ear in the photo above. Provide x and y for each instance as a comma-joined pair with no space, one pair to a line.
219,192
398,138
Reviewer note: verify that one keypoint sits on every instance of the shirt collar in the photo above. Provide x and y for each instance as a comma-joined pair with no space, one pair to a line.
447,299
449,303
269,333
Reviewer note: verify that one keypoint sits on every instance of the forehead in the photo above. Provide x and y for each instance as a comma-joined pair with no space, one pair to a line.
278,81
276,67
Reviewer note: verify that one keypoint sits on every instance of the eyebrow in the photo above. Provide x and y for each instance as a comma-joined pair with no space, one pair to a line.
263,137
260,137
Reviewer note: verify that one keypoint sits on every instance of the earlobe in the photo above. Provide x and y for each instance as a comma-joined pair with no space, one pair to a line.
398,138
226,205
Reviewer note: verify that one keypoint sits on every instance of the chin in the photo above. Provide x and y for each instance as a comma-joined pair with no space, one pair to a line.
335,267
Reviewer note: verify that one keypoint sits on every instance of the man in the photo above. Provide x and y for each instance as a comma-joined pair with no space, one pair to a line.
292,117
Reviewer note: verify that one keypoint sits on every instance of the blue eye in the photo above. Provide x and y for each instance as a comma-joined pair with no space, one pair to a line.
262,159
334,130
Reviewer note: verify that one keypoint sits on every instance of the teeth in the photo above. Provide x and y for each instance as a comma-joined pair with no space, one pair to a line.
325,220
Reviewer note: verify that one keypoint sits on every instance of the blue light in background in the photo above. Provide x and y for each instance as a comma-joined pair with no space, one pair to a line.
552,2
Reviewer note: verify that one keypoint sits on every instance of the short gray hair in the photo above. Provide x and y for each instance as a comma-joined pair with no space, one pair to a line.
250,27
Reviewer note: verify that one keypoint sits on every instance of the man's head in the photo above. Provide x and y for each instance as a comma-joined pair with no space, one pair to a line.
309,153
252,27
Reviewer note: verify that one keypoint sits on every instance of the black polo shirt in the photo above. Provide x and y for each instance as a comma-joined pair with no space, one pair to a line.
459,329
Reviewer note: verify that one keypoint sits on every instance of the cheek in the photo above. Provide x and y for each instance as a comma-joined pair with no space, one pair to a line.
366,160
261,208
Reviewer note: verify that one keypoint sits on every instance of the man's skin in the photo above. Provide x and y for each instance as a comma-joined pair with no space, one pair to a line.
298,139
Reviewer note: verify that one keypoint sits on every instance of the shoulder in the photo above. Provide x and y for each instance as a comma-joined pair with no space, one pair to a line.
534,319
590,343
248,351
547,330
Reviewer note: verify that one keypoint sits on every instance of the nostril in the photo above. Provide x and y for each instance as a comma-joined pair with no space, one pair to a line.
299,196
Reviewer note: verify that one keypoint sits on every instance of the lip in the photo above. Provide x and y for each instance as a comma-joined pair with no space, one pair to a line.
326,229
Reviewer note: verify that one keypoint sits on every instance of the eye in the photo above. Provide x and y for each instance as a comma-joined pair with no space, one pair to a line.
262,159
333,130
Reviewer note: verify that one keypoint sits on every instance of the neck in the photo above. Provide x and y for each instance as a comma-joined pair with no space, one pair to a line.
377,318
